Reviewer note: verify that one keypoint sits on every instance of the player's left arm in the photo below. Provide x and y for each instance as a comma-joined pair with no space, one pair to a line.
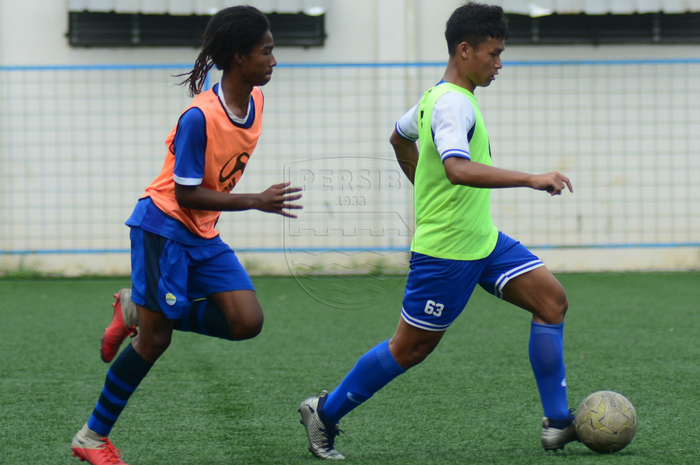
403,140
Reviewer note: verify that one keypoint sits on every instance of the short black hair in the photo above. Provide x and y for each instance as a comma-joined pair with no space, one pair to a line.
475,23
236,29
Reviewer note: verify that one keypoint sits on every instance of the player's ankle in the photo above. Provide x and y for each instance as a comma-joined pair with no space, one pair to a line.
561,424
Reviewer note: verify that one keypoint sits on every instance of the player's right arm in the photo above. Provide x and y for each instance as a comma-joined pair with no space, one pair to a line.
468,173
275,199
452,122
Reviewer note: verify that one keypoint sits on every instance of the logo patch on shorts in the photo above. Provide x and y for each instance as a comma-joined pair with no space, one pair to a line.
170,299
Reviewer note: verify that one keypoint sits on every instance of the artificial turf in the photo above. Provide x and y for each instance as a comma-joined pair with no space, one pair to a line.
474,400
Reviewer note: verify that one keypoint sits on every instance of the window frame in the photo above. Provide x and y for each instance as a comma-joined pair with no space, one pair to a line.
576,29
110,29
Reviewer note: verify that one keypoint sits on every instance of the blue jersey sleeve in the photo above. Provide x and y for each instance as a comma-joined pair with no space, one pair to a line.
189,147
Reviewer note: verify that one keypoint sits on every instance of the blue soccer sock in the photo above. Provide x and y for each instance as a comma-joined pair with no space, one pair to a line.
204,317
123,378
547,360
371,373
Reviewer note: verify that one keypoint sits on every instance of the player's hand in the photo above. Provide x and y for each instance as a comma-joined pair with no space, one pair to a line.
277,199
553,182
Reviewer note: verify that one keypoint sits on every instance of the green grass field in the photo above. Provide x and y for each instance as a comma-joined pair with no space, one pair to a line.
474,401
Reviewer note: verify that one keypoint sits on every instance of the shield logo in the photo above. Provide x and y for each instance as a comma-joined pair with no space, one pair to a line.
349,246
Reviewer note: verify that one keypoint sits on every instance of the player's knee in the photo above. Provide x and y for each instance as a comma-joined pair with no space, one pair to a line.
561,304
564,306
153,345
413,355
161,341
412,359
247,328
252,329
556,309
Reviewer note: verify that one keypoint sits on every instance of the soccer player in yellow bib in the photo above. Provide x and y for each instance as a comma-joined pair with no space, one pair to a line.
456,246
184,276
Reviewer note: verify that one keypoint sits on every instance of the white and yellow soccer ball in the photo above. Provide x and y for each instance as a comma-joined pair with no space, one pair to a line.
606,422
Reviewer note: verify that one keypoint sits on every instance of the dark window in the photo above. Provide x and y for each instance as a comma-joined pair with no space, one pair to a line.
89,29
605,29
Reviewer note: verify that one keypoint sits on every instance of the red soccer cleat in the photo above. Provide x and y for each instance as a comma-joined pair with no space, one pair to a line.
96,452
116,332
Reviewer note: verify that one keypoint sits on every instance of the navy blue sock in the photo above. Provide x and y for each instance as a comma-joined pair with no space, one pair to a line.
547,360
204,317
371,373
123,378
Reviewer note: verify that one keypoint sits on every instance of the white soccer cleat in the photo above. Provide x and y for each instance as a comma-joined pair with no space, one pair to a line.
321,436
554,438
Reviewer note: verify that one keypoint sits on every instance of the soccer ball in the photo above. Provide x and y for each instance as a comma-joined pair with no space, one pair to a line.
606,422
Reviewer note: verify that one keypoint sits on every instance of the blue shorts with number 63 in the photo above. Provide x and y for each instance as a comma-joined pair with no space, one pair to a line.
438,289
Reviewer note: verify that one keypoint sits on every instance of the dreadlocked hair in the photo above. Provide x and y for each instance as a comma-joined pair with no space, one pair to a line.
232,30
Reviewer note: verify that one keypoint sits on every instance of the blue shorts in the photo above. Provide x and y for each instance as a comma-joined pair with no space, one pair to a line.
167,275
438,289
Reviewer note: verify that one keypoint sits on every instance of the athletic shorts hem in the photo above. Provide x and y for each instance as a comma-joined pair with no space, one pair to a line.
514,273
422,324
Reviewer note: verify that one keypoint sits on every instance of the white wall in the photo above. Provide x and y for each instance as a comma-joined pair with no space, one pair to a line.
33,32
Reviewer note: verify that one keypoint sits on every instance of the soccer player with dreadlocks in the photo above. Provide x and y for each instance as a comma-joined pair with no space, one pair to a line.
182,272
